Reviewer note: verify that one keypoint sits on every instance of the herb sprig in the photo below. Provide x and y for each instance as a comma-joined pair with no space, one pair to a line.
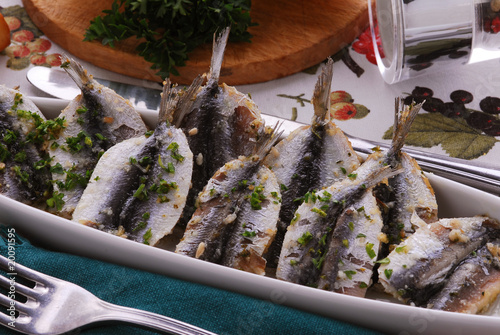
170,29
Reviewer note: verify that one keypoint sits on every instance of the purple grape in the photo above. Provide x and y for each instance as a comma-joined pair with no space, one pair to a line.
461,96
480,120
454,110
422,92
490,105
434,105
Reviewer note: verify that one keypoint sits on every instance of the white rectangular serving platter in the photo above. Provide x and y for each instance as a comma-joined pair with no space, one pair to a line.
454,200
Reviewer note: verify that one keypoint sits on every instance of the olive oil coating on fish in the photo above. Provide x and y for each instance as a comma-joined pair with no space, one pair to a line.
408,192
353,250
236,218
221,124
418,267
24,174
310,234
95,121
142,184
473,285
310,158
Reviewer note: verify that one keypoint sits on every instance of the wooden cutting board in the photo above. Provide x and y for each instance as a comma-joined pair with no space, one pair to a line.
292,35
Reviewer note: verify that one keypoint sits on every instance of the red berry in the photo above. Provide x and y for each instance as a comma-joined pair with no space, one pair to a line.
22,36
17,51
53,59
13,22
37,59
39,45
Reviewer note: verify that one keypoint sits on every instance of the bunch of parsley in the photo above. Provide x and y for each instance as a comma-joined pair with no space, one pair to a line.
170,29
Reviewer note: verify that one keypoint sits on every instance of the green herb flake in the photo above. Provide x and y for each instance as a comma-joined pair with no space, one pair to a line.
363,285
81,110
345,243
349,273
369,250
174,147
305,238
56,201
147,236
401,249
384,261
248,233
388,273
318,211
351,225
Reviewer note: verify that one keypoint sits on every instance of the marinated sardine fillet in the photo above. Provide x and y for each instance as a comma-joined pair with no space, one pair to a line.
221,124
95,121
139,187
235,220
419,266
24,171
473,285
315,235
310,158
408,192
313,242
353,250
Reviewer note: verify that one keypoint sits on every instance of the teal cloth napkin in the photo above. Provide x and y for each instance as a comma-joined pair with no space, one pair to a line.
219,311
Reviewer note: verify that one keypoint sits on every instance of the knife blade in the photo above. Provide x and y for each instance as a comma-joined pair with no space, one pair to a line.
56,82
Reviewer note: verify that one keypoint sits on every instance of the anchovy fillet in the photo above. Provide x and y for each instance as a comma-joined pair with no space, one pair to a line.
23,175
310,234
95,121
418,267
310,158
141,183
235,220
474,284
221,124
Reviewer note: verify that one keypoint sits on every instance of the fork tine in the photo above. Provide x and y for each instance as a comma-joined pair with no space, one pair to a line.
20,288
22,270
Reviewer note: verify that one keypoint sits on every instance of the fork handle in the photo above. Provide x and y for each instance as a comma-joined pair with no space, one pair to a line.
158,322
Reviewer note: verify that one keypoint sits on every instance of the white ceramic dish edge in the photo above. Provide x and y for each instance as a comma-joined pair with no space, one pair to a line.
454,200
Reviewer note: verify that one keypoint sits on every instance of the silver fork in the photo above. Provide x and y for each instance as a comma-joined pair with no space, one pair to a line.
55,306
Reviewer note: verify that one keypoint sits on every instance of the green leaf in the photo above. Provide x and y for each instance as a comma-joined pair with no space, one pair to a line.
455,136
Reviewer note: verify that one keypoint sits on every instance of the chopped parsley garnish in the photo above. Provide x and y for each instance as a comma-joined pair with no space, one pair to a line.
384,261
350,273
318,211
174,147
369,250
248,233
388,273
305,238
56,201
147,236
257,197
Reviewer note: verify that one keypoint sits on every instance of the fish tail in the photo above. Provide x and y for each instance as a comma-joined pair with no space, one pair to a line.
76,71
168,102
268,139
186,100
403,118
378,175
219,46
321,95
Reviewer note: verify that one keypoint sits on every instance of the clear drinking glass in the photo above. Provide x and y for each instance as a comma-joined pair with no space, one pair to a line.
420,36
